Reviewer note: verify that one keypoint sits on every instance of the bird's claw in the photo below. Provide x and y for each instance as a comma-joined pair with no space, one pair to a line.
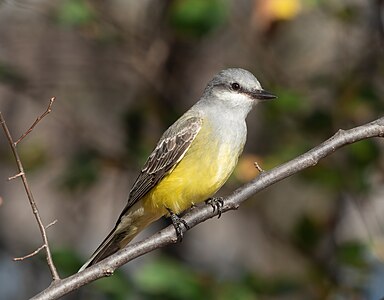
217,203
178,223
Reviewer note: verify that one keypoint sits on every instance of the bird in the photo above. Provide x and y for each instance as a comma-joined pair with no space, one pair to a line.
192,160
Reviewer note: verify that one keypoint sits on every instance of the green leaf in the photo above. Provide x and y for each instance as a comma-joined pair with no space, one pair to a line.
66,261
289,101
197,17
363,152
352,253
236,290
75,13
116,287
169,279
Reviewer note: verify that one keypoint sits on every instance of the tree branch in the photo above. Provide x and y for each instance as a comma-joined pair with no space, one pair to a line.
49,109
30,254
200,214
35,210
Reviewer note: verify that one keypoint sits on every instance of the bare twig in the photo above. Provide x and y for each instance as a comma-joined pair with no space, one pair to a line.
16,176
48,110
51,224
32,202
202,213
29,255
258,167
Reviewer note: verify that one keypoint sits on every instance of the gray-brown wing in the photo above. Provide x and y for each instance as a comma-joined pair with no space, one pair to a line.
169,151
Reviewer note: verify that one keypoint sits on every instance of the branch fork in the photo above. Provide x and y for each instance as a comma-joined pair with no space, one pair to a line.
21,174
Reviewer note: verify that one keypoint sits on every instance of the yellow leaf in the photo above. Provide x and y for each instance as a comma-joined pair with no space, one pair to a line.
284,9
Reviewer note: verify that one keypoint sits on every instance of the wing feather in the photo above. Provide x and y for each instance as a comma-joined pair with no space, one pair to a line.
169,151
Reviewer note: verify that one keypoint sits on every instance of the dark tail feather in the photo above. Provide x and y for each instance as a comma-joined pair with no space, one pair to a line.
112,243
130,223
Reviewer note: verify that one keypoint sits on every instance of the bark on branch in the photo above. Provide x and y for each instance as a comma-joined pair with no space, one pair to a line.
200,214
32,202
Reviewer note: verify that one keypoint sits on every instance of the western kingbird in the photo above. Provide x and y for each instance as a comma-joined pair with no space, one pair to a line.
193,159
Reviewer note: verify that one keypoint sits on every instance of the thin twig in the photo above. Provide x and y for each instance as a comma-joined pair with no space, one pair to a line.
51,224
48,110
35,210
31,254
16,176
258,167
200,214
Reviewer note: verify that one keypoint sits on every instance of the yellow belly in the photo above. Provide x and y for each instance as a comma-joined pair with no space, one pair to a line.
204,169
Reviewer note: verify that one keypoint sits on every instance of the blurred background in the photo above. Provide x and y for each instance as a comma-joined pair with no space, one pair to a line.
122,71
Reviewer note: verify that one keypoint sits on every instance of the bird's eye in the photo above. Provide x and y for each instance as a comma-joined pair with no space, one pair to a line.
235,86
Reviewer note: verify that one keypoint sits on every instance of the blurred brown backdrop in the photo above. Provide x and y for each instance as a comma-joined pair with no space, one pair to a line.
123,71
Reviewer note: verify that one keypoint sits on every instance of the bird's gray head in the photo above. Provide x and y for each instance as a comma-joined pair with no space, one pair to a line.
236,87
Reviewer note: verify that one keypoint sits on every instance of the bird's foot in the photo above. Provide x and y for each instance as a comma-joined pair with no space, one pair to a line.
217,203
178,223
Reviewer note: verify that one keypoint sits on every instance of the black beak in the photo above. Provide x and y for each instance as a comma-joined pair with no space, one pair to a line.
263,95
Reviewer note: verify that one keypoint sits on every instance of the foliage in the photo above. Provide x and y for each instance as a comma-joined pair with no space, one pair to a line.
323,59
